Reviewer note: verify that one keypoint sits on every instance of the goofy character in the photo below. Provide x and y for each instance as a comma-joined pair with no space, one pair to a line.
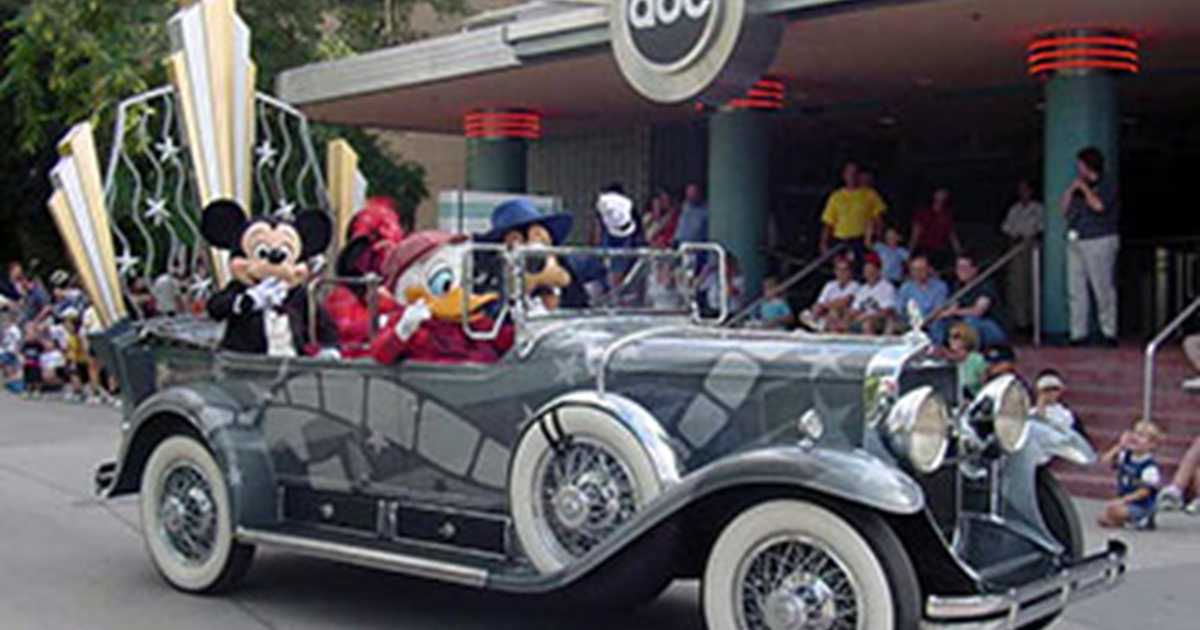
265,306
548,280
425,272
373,233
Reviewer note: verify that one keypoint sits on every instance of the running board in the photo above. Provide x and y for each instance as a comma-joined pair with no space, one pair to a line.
365,557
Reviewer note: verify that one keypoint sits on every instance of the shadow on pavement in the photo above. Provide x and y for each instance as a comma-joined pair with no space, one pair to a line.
291,592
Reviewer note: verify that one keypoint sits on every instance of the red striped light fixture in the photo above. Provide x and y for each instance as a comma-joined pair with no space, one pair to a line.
1077,51
503,125
768,94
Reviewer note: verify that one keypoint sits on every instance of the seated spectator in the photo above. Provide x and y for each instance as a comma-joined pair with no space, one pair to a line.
774,312
662,293
963,351
893,255
1191,348
31,357
1185,485
979,307
873,311
1049,387
1001,360
707,286
1138,477
923,287
10,346
832,309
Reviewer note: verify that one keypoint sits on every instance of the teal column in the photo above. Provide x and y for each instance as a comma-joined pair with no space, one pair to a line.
497,164
739,182
1082,109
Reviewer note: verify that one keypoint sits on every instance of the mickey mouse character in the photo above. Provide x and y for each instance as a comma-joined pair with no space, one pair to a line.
266,304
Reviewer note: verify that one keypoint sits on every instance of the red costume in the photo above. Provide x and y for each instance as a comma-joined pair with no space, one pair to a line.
352,318
438,341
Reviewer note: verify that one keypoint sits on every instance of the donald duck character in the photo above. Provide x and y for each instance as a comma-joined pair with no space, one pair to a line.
518,224
425,272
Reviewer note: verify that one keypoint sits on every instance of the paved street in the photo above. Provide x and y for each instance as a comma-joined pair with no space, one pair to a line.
68,561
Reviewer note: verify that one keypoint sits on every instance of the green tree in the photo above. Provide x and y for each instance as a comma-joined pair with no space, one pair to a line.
70,60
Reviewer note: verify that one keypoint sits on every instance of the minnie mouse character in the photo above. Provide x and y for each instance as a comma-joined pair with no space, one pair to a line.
266,304
371,235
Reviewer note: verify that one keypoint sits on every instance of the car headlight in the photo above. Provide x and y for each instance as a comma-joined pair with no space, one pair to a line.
918,427
1009,403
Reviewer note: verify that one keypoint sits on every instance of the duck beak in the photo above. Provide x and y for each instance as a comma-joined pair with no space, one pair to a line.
449,307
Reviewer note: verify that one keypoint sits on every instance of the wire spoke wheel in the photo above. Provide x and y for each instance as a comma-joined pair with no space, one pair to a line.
791,582
188,513
586,493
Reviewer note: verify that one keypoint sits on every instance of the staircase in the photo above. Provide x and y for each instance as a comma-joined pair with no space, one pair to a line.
1104,389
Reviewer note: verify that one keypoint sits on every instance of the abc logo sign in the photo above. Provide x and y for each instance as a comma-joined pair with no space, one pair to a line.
666,32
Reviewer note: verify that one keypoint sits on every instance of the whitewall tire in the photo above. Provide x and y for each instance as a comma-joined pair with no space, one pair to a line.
574,482
187,522
794,564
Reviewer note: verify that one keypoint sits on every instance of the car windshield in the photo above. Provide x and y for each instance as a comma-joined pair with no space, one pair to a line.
561,282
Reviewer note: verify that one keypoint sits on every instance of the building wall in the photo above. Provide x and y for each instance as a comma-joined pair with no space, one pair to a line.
443,156
577,167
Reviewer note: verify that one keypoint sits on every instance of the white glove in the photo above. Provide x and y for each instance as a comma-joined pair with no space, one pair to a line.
330,354
414,315
256,298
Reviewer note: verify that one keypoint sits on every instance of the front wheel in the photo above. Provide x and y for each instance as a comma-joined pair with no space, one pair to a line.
186,519
796,565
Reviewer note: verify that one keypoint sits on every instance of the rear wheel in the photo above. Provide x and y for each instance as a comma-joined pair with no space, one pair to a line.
1058,511
187,523
796,565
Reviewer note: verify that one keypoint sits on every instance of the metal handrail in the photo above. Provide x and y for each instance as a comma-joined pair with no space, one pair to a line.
985,275
795,279
1152,350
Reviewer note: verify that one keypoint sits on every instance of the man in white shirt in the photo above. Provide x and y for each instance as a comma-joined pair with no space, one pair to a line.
874,308
831,312
1025,220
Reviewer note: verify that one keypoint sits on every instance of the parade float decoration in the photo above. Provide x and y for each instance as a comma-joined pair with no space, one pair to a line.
811,482
207,135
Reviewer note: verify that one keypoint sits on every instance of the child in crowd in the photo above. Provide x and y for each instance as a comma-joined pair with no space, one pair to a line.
661,291
1050,408
1138,477
963,350
10,350
31,356
893,255
774,312
76,355
54,360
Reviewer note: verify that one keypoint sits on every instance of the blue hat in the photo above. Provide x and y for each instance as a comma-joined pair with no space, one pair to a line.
520,213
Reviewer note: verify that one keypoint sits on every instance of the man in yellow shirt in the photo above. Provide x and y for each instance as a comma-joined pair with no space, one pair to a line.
852,213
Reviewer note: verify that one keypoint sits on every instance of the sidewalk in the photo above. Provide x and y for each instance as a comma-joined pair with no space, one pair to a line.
1162,588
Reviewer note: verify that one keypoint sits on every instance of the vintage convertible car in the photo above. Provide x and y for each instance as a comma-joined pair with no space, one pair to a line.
811,482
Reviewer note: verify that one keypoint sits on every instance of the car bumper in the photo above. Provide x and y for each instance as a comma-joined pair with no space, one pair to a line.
1031,602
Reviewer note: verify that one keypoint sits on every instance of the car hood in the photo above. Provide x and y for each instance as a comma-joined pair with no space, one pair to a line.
683,349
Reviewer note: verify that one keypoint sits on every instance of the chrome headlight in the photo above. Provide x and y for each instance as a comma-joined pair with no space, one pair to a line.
1009,403
918,427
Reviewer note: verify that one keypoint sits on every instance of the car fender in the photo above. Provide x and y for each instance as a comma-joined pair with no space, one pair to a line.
224,417
853,476
1049,441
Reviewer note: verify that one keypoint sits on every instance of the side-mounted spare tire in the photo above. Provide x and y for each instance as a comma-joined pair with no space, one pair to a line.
187,520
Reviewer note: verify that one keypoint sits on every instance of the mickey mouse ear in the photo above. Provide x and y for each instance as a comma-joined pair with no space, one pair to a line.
316,231
222,223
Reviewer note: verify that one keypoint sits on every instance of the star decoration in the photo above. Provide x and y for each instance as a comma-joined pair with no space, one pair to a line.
824,360
286,210
376,442
156,211
266,153
167,149
127,263
200,287
569,371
